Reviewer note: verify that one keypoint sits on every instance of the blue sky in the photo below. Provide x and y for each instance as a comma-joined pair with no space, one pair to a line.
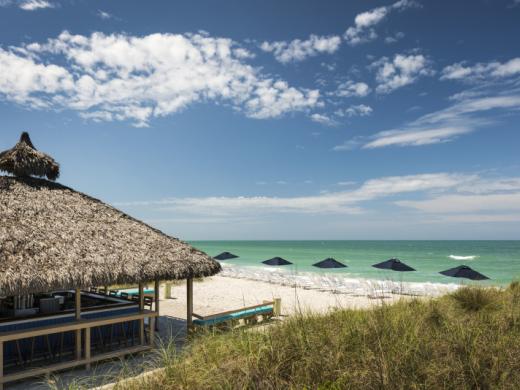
276,120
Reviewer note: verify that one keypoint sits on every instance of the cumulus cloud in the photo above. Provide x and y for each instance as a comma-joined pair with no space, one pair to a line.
33,5
400,71
481,71
298,50
123,77
350,88
363,30
323,119
394,38
355,110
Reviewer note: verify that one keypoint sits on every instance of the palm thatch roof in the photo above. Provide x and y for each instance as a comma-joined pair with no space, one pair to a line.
53,237
24,160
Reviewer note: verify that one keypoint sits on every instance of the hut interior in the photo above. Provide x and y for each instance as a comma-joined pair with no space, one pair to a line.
56,246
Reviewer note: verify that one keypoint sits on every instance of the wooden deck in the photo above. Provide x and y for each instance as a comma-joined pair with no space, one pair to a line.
83,355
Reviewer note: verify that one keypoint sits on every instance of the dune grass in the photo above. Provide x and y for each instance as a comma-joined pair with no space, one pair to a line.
466,340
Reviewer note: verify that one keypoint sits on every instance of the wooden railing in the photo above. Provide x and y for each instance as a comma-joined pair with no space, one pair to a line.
83,354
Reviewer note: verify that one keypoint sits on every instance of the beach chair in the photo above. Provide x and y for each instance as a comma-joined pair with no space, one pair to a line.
148,302
243,316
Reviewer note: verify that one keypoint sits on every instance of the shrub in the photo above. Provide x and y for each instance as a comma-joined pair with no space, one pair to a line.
452,342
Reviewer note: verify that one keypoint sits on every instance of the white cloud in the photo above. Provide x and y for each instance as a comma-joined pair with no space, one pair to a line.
298,50
363,30
463,109
481,71
466,203
394,38
346,183
430,198
350,144
350,88
323,119
122,77
400,71
331,202
415,138
33,5
462,117
355,110
104,15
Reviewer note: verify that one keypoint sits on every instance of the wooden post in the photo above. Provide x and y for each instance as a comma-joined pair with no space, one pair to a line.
168,290
156,289
189,302
78,317
141,308
1,365
277,307
87,347
152,330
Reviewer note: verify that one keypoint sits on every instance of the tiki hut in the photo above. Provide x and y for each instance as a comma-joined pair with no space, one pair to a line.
55,238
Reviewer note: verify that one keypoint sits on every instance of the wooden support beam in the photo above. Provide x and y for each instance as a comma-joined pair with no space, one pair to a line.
189,301
1,365
152,321
157,298
87,348
141,308
69,364
78,318
68,327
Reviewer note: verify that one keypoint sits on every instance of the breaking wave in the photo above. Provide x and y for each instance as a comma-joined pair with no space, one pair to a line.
454,257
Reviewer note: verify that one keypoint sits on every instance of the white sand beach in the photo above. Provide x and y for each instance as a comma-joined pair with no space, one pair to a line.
221,293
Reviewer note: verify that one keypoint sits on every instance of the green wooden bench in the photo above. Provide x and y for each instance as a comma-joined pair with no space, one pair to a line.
248,314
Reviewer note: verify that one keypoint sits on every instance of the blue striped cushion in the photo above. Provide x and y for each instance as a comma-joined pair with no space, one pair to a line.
234,316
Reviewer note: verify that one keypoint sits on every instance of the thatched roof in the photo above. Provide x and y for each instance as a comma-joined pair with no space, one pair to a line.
24,160
53,237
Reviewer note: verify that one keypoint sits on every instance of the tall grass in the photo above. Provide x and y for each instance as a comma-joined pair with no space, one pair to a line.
466,340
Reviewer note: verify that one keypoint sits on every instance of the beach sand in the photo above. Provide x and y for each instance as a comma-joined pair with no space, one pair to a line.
219,293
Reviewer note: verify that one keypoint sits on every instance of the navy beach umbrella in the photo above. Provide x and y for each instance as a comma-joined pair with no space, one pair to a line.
225,256
276,261
394,265
463,271
329,263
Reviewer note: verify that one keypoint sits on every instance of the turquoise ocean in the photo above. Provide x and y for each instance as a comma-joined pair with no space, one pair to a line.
499,260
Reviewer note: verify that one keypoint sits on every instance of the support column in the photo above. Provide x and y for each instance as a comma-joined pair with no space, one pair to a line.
189,302
78,317
152,330
1,365
157,298
141,308
87,347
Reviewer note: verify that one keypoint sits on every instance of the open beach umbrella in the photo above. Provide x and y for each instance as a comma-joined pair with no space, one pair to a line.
463,271
394,265
276,261
225,256
329,263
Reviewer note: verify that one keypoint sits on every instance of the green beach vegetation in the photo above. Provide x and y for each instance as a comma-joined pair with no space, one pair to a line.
469,339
